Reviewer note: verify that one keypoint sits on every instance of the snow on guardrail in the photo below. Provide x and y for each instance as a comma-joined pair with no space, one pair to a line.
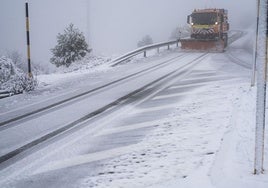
142,50
4,94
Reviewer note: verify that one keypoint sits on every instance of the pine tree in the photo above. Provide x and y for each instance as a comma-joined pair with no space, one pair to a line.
71,46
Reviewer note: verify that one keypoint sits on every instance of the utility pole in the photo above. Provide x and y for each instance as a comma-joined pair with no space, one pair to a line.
88,5
261,87
253,76
28,39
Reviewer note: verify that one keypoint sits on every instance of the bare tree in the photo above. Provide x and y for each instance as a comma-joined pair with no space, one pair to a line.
146,40
180,32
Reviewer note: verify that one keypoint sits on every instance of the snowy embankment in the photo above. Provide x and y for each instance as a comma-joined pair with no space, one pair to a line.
233,163
62,75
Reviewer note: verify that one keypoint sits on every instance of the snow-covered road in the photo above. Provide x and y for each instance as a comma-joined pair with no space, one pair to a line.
79,110
174,137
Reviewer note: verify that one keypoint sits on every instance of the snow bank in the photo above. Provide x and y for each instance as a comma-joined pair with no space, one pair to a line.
81,69
235,162
87,63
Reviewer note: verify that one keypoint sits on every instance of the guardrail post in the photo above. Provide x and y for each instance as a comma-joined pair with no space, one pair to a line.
177,44
157,50
144,53
168,47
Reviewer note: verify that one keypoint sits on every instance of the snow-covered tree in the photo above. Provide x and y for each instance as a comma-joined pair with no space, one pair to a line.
18,60
15,56
13,79
71,46
22,64
146,40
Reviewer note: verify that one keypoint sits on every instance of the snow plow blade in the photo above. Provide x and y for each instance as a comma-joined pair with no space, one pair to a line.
202,45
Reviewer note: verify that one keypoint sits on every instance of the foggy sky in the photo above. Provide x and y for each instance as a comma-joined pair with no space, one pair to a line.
111,26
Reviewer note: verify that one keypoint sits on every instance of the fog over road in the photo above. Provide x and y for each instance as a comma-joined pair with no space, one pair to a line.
112,27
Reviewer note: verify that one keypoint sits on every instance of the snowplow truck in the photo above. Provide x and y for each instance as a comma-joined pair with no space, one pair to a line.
209,30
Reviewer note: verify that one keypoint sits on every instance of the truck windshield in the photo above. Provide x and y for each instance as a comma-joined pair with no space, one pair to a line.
204,18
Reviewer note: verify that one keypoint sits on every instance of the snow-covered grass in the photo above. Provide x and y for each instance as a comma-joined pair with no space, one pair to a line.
231,162
88,63
235,161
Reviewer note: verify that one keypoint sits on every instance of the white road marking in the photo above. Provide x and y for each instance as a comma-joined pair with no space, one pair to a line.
102,155
201,84
151,109
172,95
185,86
88,158
209,77
128,128
204,72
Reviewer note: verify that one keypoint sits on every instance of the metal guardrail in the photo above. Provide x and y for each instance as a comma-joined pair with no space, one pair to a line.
4,94
143,50
153,46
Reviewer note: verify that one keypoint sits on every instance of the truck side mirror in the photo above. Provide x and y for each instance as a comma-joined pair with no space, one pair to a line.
188,19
